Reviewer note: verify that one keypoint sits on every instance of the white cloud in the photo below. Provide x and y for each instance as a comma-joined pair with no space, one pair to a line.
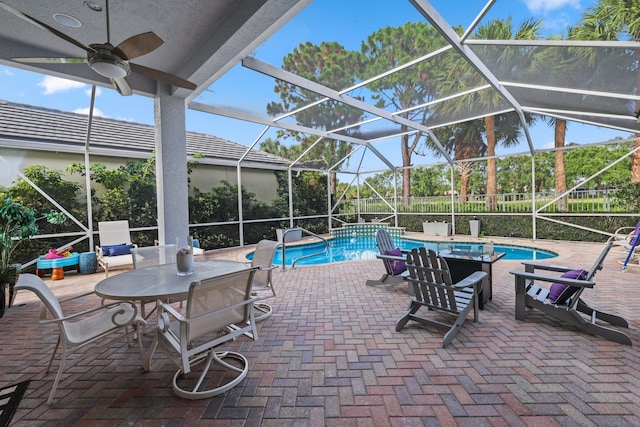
85,111
6,71
126,119
53,85
545,6
548,145
98,91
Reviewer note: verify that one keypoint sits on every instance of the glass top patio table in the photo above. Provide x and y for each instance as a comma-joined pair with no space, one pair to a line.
161,281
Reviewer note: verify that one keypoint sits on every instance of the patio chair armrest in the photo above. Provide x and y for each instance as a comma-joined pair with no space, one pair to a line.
78,296
554,279
391,258
475,277
532,266
43,308
623,232
83,313
162,306
273,267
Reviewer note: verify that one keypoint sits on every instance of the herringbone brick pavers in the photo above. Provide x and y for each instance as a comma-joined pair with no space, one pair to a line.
329,355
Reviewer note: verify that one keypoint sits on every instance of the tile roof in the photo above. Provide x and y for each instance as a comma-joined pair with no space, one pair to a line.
65,131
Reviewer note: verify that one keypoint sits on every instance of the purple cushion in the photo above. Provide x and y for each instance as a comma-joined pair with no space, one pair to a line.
560,293
397,267
115,250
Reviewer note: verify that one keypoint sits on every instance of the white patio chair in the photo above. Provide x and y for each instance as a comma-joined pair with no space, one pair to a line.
149,256
114,234
218,310
79,329
262,285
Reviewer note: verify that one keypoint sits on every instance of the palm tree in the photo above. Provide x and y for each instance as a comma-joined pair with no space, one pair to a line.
612,20
556,66
464,141
500,29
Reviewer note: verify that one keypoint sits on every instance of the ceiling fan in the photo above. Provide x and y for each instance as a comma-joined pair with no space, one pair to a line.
107,60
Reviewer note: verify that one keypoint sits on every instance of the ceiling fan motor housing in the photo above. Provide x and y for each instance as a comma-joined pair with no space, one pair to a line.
105,62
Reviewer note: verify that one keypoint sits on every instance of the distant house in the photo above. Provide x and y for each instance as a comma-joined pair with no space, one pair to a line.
40,136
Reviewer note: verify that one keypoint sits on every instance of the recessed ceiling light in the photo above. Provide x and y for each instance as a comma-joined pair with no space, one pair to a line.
93,6
67,20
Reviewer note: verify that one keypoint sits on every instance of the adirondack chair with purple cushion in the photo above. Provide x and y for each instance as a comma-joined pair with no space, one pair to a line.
561,299
393,260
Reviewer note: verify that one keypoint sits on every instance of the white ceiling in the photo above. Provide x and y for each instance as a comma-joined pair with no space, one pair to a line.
202,38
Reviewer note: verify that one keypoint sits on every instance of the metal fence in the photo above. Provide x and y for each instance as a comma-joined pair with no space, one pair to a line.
589,201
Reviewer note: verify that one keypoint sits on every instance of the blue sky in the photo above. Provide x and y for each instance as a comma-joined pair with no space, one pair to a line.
345,21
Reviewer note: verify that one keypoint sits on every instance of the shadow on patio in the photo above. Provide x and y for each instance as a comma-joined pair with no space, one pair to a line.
329,355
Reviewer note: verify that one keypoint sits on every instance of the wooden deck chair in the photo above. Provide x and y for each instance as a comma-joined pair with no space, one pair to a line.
115,245
562,301
393,259
432,288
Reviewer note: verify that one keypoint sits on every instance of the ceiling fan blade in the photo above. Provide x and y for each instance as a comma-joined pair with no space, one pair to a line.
140,44
51,60
44,26
163,77
122,86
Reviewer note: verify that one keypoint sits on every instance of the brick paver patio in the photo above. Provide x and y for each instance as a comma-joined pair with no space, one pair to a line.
329,355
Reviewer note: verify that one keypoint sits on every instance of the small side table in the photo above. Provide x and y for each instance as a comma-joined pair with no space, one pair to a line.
88,263
56,265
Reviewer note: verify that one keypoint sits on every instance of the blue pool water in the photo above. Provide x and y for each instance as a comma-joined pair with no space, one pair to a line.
364,247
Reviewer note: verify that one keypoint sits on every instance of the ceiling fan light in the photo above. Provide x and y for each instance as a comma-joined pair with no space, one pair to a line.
67,20
109,66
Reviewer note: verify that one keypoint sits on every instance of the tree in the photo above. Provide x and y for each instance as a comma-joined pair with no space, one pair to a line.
464,141
383,183
587,161
503,128
389,48
331,65
614,20
514,174
429,181
55,186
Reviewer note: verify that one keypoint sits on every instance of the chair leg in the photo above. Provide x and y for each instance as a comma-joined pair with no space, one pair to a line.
57,379
414,306
55,350
611,319
209,358
262,311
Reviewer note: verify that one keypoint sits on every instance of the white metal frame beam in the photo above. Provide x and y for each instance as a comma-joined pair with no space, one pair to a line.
280,74
430,13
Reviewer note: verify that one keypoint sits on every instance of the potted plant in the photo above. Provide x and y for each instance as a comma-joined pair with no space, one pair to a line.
17,223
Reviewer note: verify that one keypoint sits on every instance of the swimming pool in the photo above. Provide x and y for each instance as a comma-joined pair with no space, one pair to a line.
364,247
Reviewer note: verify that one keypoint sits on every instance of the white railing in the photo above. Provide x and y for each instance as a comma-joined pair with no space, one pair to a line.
589,201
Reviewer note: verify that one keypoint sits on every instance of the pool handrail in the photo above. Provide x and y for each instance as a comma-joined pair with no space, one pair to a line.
304,231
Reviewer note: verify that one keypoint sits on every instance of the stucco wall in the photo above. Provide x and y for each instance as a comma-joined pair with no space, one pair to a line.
262,183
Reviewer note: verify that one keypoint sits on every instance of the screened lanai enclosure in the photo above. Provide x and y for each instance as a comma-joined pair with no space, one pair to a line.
374,101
